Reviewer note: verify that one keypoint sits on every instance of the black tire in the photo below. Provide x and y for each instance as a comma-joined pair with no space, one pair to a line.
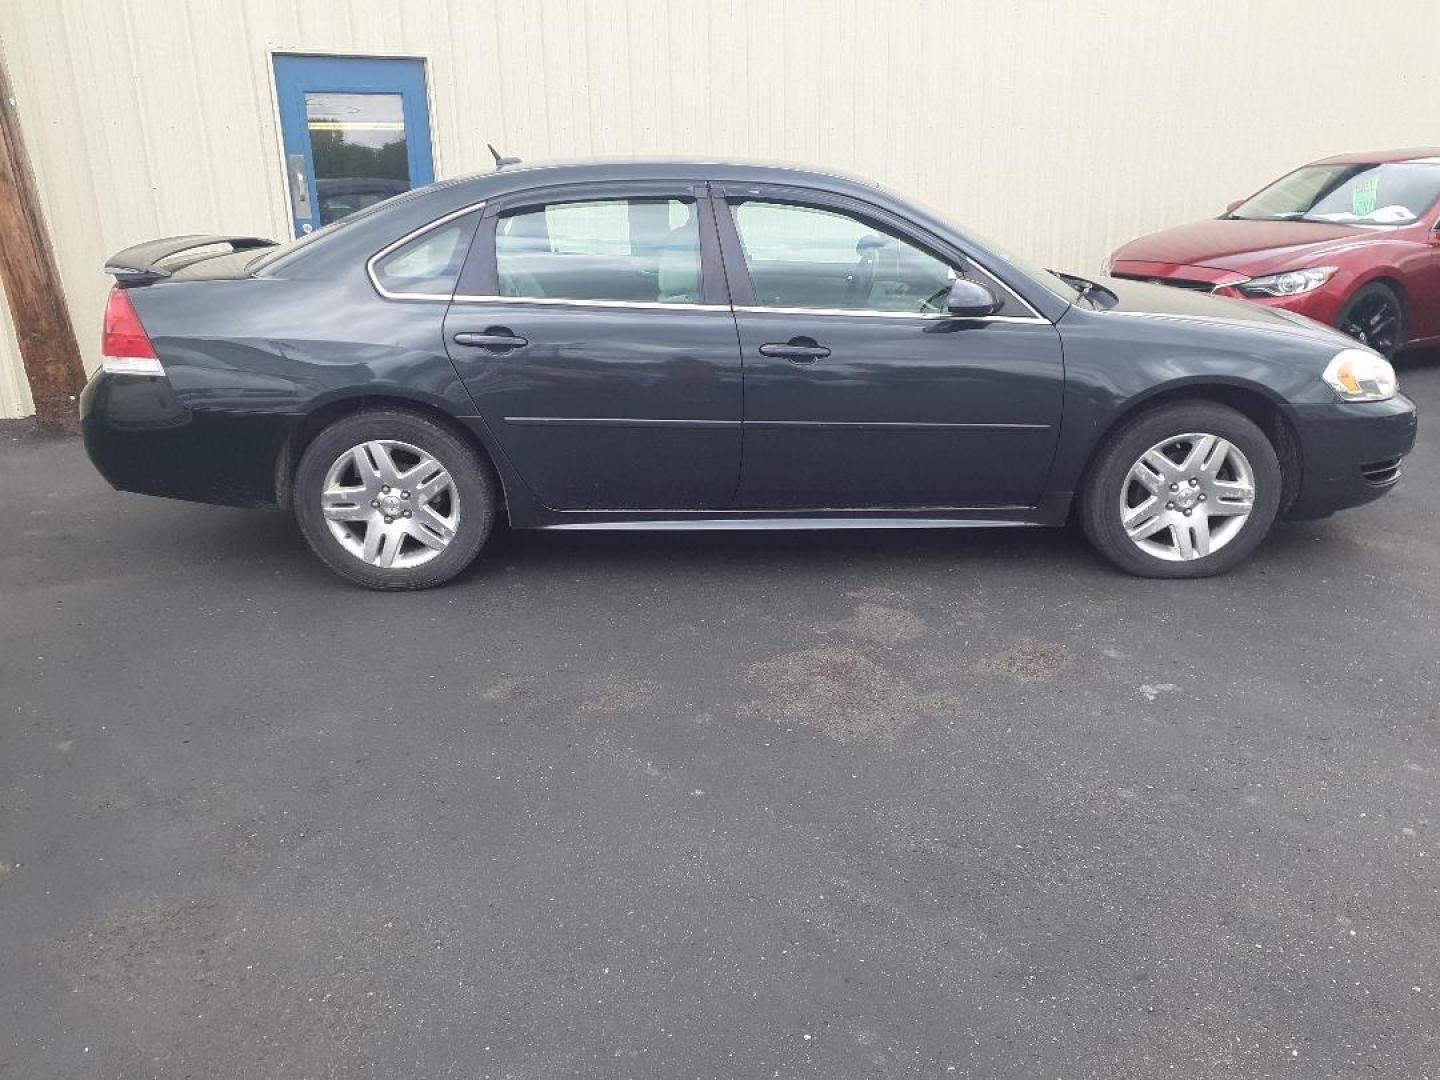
474,488
1375,316
1108,481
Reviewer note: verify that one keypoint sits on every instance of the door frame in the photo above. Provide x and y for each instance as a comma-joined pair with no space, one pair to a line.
477,297
284,208
1021,321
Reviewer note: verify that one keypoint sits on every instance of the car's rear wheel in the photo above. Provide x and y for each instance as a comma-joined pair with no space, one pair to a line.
1375,316
1184,490
393,500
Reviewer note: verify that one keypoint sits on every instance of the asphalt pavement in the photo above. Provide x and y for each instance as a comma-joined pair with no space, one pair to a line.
944,804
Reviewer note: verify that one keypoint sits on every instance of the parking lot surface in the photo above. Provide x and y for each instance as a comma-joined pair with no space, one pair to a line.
950,804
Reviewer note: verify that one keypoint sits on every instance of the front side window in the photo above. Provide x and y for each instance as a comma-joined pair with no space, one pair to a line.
805,257
635,250
1389,194
430,264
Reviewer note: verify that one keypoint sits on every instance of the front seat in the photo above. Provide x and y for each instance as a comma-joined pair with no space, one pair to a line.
679,266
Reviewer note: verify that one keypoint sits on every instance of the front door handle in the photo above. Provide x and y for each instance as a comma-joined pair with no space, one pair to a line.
495,338
798,350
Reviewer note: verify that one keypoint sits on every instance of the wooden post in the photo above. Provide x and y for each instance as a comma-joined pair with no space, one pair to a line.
32,283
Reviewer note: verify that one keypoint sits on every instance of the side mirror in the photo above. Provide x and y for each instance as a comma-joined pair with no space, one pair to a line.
970,300
1231,207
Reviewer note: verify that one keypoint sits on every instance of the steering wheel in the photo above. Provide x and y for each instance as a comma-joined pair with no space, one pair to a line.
935,302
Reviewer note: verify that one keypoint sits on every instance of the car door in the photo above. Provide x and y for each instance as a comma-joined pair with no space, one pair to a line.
860,392
593,332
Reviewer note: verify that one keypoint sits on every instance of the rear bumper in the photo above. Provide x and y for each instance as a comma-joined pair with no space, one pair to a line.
142,437
1350,453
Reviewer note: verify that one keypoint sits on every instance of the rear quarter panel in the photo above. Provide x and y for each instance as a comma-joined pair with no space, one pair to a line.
281,345
246,361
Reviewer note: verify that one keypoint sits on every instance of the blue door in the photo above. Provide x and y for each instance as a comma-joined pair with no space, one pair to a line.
356,131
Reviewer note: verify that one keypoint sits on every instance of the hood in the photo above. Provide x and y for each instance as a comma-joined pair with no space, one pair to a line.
1186,305
1233,244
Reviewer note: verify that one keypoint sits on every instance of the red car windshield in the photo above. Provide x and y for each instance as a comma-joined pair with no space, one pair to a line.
1396,193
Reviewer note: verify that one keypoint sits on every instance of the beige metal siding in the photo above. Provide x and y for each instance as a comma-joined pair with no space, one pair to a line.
1060,128
14,390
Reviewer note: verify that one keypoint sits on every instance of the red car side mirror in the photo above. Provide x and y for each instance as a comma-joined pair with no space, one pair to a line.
1232,207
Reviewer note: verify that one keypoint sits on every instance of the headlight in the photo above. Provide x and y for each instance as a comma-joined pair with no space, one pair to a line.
1360,375
1290,283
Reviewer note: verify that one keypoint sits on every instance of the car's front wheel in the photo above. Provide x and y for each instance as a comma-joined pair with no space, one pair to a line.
1375,316
393,500
1184,490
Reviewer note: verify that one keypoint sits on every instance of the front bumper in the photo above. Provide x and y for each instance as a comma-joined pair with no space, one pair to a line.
1322,304
1350,453
143,437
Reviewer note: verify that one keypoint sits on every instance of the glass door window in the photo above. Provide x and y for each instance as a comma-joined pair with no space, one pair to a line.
356,131
357,142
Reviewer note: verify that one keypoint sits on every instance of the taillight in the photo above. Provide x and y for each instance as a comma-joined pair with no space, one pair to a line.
125,348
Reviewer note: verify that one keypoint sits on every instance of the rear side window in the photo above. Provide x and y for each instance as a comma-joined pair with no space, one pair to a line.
636,250
428,265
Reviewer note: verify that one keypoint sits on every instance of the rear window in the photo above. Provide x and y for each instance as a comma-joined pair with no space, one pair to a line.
273,257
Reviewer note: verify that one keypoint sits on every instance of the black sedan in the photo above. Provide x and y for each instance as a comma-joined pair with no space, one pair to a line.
707,346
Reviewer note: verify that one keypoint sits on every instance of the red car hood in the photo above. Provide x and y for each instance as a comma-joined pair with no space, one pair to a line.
1246,247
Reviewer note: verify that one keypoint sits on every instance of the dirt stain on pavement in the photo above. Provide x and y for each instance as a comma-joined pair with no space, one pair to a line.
510,688
1030,661
141,958
883,625
613,693
840,691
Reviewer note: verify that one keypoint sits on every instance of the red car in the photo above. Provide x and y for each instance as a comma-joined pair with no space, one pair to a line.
1352,241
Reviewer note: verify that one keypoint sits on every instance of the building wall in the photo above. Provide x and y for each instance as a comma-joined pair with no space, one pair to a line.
1061,127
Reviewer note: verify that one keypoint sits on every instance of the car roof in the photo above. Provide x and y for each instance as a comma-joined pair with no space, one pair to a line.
639,168
1426,154
528,174
401,213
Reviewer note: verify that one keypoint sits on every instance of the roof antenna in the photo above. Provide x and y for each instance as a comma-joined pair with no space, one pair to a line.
500,160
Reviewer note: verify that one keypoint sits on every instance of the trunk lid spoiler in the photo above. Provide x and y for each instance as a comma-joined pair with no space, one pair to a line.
140,265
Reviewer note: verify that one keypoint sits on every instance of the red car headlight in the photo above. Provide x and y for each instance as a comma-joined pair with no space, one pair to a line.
1290,283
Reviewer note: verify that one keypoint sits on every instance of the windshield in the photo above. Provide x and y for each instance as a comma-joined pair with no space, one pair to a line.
1391,194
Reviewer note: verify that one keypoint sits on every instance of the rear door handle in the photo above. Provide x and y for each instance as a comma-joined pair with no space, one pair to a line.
498,338
800,352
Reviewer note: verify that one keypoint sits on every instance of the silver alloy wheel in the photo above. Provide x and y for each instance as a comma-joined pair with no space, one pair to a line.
390,504
1187,497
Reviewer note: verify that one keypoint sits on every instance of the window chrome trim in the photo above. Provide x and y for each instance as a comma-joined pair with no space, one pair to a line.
868,313
554,301
413,235
461,298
